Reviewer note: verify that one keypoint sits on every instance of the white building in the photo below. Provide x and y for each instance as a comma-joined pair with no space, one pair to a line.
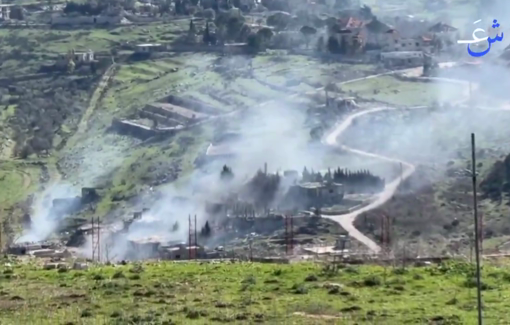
402,58
147,48
83,57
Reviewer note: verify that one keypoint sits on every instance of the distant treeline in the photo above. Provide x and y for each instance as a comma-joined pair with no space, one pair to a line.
263,188
356,181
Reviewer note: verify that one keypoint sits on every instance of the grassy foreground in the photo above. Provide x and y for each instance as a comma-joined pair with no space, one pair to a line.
206,293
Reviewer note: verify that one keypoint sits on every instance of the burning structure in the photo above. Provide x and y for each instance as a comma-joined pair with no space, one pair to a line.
61,207
315,194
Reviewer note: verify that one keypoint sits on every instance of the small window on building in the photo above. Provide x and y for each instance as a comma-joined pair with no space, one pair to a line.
409,60
417,44
396,41
331,191
177,257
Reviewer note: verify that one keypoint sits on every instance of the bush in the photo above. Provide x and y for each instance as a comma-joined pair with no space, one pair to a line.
372,281
471,283
118,275
311,278
299,289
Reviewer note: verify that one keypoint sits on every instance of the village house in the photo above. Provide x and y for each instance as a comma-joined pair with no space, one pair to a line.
78,58
178,113
147,48
315,194
395,44
402,59
350,34
5,11
445,32
378,34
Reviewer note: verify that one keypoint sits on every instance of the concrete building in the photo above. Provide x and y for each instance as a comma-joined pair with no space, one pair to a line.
5,11
397,44
83,57
158,247
78,58
351,33
402,59
178,113
147,48
314,194
132,128
445,32
182,252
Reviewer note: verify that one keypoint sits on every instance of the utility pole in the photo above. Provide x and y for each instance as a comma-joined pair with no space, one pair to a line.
477,240
190,232
251,251
481,233
92,235
196,240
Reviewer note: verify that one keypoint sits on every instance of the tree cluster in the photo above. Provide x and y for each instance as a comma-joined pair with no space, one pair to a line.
496,184
263,188
206,230
361,180
42,111
226,173
86,8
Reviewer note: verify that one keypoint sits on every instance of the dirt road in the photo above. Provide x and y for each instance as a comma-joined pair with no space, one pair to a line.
347,220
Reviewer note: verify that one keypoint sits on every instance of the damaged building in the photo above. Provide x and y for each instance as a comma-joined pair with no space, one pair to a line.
61,207
157,247
315,194
165,117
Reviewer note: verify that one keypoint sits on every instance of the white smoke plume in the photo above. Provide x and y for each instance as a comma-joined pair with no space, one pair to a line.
43,222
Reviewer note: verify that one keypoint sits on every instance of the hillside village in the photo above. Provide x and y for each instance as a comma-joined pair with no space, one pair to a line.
143,141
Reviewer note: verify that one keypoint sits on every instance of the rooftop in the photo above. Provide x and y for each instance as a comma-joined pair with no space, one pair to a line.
219,150
311,185
148,45
402,54
442,28
182,111
128,122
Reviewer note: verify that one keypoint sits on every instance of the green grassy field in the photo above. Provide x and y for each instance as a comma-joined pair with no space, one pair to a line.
391,90
243,293
16,182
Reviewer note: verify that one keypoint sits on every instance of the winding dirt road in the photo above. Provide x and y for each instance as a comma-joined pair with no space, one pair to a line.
331,139
346,220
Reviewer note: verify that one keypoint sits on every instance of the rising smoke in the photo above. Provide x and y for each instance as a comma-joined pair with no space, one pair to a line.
43,223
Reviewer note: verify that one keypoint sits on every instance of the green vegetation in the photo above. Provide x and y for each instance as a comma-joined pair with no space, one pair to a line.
199,293
393,91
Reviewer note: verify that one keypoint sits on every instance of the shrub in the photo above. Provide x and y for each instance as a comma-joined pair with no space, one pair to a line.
372,281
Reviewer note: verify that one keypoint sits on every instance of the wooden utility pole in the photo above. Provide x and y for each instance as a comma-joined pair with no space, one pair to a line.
196,238
477,240
481,233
